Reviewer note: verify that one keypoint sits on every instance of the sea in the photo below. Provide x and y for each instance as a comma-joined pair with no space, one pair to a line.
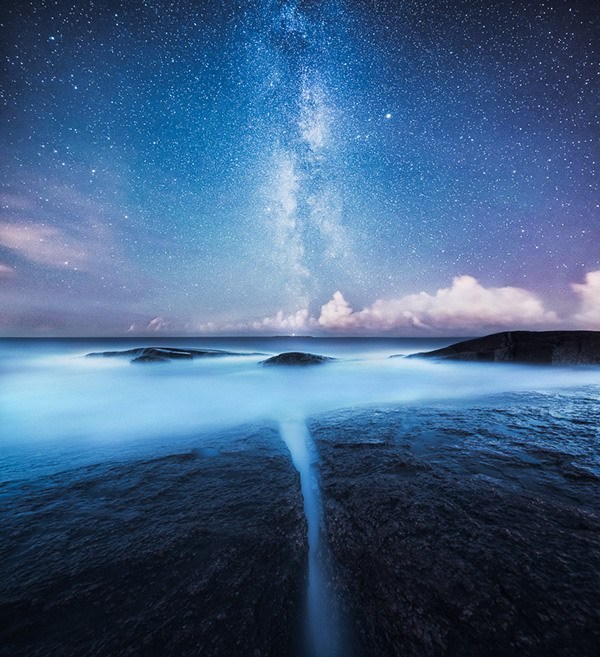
219,506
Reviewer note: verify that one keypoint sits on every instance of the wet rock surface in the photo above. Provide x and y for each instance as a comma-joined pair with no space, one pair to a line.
448,530
163,354
536,347
464,531
297,358
199,553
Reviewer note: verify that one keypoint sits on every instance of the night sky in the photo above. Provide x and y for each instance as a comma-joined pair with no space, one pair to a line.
324,167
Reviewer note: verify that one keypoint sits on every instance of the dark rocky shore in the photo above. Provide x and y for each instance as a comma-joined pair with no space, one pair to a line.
191,554
534,347
447,531
452,538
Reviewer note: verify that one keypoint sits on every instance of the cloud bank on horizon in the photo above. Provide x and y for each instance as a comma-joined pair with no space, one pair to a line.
589,294
466,307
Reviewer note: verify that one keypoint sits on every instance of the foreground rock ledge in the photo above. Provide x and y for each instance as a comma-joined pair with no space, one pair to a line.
297,358
534,347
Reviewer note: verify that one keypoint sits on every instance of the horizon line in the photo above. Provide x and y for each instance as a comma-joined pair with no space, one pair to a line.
281,336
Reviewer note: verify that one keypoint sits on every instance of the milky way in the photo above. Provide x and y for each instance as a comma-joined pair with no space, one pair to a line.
283,166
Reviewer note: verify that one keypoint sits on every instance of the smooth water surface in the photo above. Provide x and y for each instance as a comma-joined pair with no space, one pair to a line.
59,409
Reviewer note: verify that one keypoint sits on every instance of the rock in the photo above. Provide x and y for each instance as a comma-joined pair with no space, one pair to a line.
429,556
177,551
150,359
534,347
297,358
163,354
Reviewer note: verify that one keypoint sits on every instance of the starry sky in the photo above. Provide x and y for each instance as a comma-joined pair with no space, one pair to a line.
368,167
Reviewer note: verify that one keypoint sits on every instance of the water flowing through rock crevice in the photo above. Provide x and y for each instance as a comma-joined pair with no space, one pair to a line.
322,636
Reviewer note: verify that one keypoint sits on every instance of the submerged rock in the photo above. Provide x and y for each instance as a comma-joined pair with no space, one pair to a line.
162,354
535,347
297,358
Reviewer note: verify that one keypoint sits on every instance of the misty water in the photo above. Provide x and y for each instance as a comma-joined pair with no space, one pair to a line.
60,411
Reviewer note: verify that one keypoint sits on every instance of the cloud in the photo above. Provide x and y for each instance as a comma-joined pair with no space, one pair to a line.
466,305
281,322
589,295
156,325
45,245
6,270
66,231
336,312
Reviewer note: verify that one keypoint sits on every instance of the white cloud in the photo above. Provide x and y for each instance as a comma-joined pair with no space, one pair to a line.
589,294
466,305
45,245
281,322
287,323
336,312
67,232
155,325
158,324
6,270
